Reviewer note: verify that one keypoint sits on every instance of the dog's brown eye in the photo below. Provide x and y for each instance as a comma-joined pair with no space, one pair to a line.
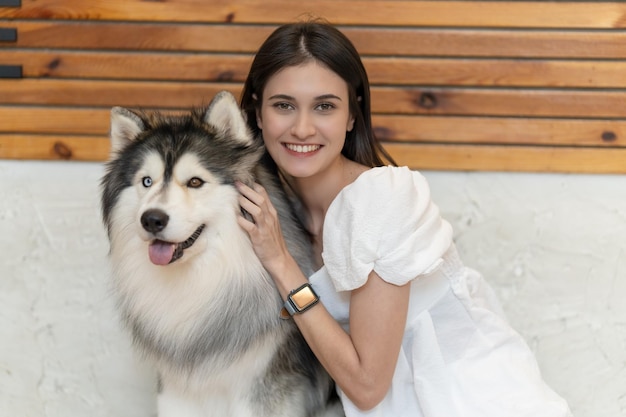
195,182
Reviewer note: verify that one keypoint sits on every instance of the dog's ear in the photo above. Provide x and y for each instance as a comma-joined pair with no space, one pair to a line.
224,114
125,127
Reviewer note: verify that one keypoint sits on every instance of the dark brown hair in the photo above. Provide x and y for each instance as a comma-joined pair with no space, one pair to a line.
297,43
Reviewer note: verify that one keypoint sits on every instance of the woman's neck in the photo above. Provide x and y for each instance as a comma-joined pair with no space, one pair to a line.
317,192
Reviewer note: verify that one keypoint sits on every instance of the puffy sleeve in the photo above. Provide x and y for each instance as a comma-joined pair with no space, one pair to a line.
384,221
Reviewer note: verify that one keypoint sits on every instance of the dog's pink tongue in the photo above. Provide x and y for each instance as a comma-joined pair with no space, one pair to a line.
161,252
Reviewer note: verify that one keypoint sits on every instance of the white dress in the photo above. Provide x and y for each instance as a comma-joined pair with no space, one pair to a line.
459,357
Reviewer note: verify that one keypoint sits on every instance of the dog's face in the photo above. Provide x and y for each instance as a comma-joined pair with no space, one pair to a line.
169,186
175,204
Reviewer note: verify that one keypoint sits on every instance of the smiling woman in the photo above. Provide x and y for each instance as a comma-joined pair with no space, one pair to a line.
307,121
400,323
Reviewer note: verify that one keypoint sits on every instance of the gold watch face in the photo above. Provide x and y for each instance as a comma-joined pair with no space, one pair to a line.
303,298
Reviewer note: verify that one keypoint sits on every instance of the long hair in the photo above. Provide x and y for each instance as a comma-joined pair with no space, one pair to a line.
297,43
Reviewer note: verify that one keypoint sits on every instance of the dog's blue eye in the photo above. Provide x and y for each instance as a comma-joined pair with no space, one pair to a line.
146,181
195,182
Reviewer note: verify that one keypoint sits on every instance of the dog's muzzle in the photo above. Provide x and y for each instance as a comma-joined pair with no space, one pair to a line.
162,252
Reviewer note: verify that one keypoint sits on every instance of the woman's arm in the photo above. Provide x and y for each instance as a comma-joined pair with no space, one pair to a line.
362,363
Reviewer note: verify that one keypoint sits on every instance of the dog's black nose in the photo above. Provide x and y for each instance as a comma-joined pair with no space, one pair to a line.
154,220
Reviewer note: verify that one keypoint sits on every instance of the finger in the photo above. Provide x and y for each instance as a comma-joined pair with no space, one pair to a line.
250,193
258,195
245,224
249,206
241,186
264,201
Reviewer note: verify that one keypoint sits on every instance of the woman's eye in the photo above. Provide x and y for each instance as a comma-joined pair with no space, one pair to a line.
195,182
283,106
146,182
325,106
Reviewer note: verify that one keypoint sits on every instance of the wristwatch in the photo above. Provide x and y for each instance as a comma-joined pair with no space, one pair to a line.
299,301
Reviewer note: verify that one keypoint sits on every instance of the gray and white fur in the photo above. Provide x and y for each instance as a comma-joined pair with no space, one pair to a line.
190,288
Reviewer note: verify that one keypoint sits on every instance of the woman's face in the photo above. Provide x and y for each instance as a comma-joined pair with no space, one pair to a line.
304,116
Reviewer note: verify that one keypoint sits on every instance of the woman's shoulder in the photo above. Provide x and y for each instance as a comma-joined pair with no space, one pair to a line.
384,221
381,197
386,183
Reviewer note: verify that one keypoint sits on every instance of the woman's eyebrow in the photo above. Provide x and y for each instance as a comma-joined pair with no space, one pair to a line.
280,97
288,97
328,97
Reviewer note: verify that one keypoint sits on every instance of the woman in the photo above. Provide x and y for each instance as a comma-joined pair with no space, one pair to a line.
403,327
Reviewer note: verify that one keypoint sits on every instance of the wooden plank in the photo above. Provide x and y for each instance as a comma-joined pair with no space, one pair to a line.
386,71
369,41
139,36
501,130
427,129
509,158
416,156
535,14
112,65
51,147
54,120
385,100
497,72
488,43
499,102
98,93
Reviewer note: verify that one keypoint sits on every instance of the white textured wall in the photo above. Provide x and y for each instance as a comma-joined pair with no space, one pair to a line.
62,350
553,246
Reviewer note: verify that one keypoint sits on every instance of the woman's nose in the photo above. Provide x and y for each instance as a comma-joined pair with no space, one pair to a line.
303,126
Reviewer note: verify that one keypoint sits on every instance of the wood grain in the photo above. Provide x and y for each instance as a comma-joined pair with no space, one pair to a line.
44,147
381,70
379,41
456,85
520,14
509,158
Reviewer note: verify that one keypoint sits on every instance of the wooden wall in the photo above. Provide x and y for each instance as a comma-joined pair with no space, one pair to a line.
457,85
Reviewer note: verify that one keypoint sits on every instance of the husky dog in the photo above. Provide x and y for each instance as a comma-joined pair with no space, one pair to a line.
190,288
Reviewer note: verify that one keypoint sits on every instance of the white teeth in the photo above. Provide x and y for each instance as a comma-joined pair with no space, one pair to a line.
302,148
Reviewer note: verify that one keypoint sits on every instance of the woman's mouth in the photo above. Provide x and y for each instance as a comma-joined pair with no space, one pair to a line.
302,149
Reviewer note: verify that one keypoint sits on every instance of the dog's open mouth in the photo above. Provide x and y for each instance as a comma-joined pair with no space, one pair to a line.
164,253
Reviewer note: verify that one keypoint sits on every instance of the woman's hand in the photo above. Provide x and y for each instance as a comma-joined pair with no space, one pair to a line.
265,233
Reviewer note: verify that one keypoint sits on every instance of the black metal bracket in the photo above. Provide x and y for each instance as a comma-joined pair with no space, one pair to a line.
10,3
8,35
10,71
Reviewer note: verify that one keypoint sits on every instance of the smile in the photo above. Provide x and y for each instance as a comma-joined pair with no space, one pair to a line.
302,148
